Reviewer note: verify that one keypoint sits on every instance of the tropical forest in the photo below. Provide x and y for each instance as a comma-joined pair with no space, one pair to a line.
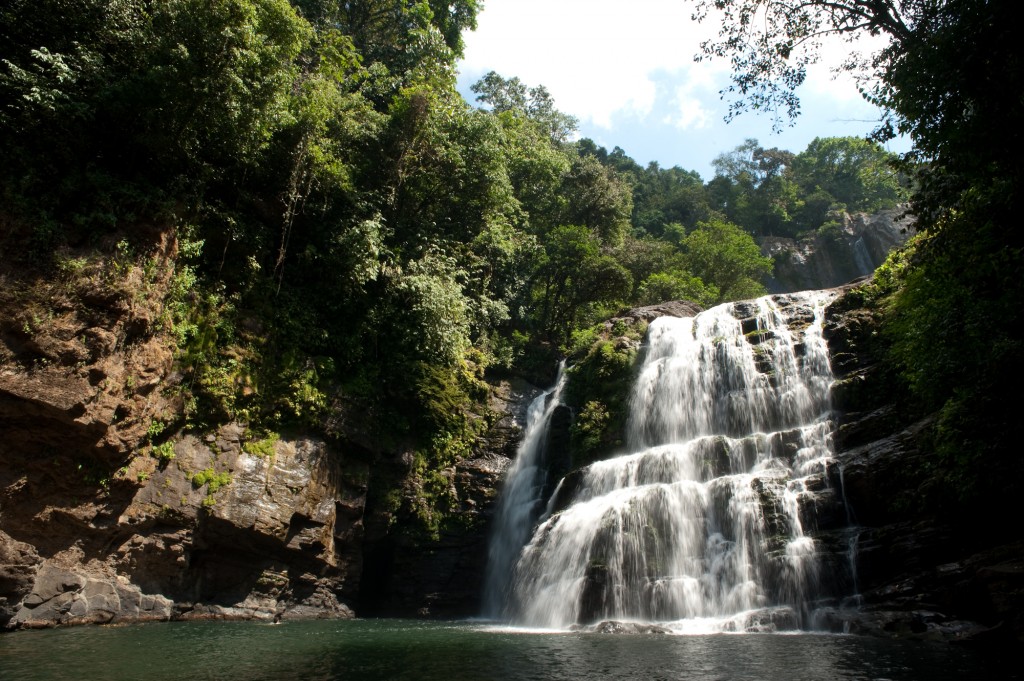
292,331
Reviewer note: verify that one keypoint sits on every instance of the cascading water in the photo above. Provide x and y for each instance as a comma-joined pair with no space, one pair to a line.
862,258
522,499
701,524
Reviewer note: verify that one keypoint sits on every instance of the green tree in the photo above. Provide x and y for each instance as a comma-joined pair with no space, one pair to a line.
645,256
676,285
664,196
753,187
512,95
162,99
402,42
854,172
598,198
722,255
950,78
575,282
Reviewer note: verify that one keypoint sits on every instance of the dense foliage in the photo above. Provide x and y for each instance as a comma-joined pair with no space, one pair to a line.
345,216
350,230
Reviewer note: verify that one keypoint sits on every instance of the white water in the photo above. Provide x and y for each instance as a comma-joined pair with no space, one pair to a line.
521,499
700,524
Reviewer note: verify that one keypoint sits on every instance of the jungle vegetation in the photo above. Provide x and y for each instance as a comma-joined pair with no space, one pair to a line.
349,225
351,230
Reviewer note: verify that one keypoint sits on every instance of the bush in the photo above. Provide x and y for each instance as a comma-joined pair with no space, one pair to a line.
598,390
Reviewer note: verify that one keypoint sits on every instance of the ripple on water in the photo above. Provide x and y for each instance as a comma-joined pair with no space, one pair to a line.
470,651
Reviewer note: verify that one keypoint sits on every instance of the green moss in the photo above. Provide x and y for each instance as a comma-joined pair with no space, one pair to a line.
156,427
263,447
213,480
434,498
758,335
164,452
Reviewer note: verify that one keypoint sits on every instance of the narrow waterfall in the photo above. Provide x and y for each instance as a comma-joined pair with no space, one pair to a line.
700,524
862,257
521,501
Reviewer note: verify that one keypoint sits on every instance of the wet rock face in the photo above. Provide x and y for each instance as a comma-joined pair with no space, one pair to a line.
852,249
672,308
918,575
616,627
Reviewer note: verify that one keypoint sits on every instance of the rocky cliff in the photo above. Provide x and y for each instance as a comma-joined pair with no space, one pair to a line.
920,571
99,524
852,246
110,513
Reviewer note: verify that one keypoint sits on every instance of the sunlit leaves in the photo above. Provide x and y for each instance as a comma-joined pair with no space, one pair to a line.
430,299
723,255
857,173
597,197
511,96
224,71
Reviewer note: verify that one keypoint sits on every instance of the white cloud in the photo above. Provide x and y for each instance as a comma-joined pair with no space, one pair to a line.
626,70
596,57
689,107
599,58
691,115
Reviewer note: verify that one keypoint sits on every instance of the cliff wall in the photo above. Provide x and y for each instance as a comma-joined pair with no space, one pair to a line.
110,513
849,248
921,571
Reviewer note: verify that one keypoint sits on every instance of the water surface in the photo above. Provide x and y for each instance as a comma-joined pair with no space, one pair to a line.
402,649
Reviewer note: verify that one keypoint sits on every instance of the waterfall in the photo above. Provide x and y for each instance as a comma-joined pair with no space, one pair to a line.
521,499
701,521
862,258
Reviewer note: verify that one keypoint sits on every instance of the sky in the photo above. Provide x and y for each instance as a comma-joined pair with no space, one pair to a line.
626,71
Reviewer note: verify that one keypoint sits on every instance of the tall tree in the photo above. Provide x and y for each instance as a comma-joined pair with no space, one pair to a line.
512,95
855,172
598,198
753,187
950,77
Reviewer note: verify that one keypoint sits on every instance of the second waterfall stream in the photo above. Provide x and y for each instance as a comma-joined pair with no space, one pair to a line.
705,521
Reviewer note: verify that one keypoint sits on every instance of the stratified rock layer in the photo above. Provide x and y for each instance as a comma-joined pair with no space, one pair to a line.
283,537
